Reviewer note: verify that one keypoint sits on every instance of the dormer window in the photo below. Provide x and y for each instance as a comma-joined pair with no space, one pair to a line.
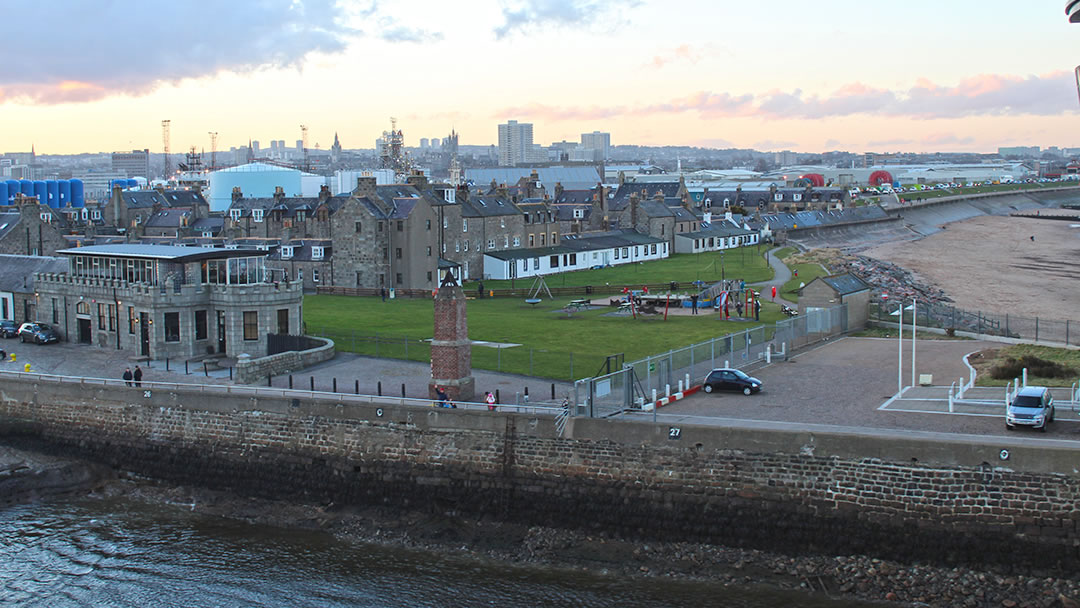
579,214
286,252
235,214
257,215
232,246
316,253
299,216
95,214
46,217
207,234
796,197
450,195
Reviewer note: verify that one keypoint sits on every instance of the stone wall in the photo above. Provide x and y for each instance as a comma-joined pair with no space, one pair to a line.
901,495
249,370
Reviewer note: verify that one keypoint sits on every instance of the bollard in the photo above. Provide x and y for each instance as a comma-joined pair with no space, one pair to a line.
13,357
290,381
768,354
687,385
205,369
230,373
269,380
335,385
1024,372
552,391
667,390
312,378
402,389
680,386
497,400
26,368
186,372
727,363
380,388
356,388
526,394
654,395
166,364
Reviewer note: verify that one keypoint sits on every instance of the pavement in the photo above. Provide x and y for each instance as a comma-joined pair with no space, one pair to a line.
852,382
351,373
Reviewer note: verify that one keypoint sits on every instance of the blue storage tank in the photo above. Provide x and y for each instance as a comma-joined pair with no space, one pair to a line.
122,183
40,192
132,183
26,187
65,193
77,198
53,189
13,189
3,194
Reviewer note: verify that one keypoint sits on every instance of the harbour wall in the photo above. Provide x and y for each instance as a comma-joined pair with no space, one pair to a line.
909,496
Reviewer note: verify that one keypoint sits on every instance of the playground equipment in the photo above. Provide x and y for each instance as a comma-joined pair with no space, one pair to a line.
534,292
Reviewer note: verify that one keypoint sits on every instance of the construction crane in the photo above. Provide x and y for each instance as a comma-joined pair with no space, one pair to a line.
165,141
213,150
303,144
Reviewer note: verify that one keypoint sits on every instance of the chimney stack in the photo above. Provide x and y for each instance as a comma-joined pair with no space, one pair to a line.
365,187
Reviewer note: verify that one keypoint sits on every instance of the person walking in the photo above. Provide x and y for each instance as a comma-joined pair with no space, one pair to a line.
382,293
137,376
693,303
127,376
489,397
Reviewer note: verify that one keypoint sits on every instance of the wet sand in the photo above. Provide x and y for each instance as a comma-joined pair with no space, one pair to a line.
991,264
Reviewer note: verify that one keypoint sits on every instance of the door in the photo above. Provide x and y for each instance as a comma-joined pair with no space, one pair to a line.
221,331
84,331
144,334
283,321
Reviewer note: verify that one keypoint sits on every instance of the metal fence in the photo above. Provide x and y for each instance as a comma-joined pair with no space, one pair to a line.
943,316
643,381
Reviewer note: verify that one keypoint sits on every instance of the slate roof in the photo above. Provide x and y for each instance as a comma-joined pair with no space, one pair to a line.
653,208
8,221
582,197
845,284
208,224
723,230
287,206
579,243
646,190
572,178
302,250
168,218
144,199
488,206
17,271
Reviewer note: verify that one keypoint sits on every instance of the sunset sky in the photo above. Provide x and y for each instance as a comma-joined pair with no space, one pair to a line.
861,75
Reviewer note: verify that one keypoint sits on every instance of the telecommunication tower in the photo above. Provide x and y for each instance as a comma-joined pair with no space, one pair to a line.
213,150
303,144
165,142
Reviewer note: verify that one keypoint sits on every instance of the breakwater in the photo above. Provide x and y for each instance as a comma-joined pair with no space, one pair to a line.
922,497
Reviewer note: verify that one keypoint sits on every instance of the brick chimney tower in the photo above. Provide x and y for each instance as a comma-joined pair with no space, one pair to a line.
451,351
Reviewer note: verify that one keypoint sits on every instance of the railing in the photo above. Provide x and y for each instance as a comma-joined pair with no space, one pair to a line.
272,392
943,316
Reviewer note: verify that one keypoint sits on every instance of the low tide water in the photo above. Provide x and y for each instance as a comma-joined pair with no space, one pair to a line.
123,553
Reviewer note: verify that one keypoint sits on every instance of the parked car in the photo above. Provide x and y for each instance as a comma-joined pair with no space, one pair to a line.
9,329
1032,406
38,333
730,379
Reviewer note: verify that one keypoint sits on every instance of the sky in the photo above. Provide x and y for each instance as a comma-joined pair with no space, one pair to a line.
858,75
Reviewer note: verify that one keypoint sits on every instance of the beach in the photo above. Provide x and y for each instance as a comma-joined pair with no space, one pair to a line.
1004,265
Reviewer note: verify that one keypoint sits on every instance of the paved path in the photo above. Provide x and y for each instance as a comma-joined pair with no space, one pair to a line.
782,274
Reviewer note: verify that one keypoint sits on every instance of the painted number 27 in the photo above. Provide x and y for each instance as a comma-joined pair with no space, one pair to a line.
674,433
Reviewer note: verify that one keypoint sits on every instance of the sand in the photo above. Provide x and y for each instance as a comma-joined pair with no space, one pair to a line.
991,264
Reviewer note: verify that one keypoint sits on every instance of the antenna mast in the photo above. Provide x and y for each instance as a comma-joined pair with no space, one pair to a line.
303,143
213,150
165,141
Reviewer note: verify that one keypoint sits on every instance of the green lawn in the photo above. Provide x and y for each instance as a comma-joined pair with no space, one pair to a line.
549,339
1066,357
747,263
807,272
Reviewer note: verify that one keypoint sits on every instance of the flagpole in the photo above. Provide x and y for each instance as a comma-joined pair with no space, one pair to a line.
900,349
914,328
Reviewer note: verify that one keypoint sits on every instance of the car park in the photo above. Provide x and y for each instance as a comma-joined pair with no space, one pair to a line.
730,379
8,329
38,333
1032,406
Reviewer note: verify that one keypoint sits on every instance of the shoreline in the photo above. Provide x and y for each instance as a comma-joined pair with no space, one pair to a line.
859,577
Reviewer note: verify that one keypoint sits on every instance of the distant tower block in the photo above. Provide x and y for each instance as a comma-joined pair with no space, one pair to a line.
451,351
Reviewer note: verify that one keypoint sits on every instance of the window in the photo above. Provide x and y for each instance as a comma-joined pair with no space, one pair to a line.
506,242
55,312
101,313
445,223
314,275
251,325
532,240
491,244
235,214
359,226
625,252
172,327
502,222
654,248
397,253
466,245
378,227
283,321
543,239
517,241
428,225
95,214
457,246
257,215
579,214
661,230
429,276
553,261
112,317
429,252
299,216
286,252
131,320
400,226
536,263
528,218
207,234
616,253
398,279
200,324
554,237
464,225
317,253
573,259
359,280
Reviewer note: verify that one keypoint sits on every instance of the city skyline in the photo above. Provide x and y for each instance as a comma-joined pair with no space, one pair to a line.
966,76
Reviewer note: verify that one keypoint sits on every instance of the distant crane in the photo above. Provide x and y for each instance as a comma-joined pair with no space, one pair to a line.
303,144
165,141
213,150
